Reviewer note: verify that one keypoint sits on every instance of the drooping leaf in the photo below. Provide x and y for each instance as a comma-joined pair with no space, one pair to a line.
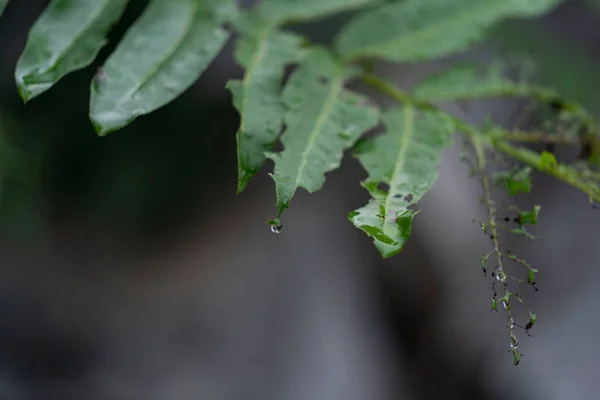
280,11
322,120
161,55
66,37
416,30
3,4
264,53
405,159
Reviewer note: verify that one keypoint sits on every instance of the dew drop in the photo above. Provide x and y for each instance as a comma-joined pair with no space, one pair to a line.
504,304
500,278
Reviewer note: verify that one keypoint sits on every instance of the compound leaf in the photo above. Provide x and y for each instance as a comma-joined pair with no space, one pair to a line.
66,37
280,11
161,55
264,52
416,30
405,158
322,120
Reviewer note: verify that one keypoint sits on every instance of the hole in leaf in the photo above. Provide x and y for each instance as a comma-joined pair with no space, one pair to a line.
323,80
383,187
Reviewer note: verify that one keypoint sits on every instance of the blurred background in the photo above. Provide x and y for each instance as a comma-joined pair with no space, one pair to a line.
129,268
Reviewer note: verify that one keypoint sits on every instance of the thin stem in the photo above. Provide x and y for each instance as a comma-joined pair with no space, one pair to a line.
561,172
534,137
492,229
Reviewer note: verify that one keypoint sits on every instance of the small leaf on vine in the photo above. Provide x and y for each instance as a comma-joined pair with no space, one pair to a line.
516,182
547,161
529,217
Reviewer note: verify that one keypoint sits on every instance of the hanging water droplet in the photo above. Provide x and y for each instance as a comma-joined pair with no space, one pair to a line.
505,304
500,277
511,323
276,228
276,225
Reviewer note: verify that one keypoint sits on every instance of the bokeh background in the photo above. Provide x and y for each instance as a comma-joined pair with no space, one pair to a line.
130,269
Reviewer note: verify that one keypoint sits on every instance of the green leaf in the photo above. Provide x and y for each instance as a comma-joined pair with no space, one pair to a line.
523,232
547,49
264,53
406,158
529,217
65,38
516,182
161,55
278,12
416,30
3,4
465,82
532,319
322,120
547,161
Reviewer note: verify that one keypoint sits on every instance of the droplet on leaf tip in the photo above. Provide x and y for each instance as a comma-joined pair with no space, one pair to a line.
276,225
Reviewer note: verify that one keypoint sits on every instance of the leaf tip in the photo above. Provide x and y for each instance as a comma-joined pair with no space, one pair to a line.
25,94
100,129
242,183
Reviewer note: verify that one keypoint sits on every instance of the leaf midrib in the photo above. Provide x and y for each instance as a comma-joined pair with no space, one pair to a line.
436,29
254,62
86,27
409,114
326,110
163,61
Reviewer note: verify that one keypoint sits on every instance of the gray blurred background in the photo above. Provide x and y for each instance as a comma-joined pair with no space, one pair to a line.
129,269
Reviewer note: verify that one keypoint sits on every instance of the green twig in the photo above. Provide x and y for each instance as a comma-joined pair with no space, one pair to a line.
561,172
497,140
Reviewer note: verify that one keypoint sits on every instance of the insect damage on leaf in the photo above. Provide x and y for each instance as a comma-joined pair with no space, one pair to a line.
405,157
322,120
264,52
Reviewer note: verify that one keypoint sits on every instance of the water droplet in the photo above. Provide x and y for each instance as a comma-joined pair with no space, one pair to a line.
511,323
500,277
276,228
505,304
